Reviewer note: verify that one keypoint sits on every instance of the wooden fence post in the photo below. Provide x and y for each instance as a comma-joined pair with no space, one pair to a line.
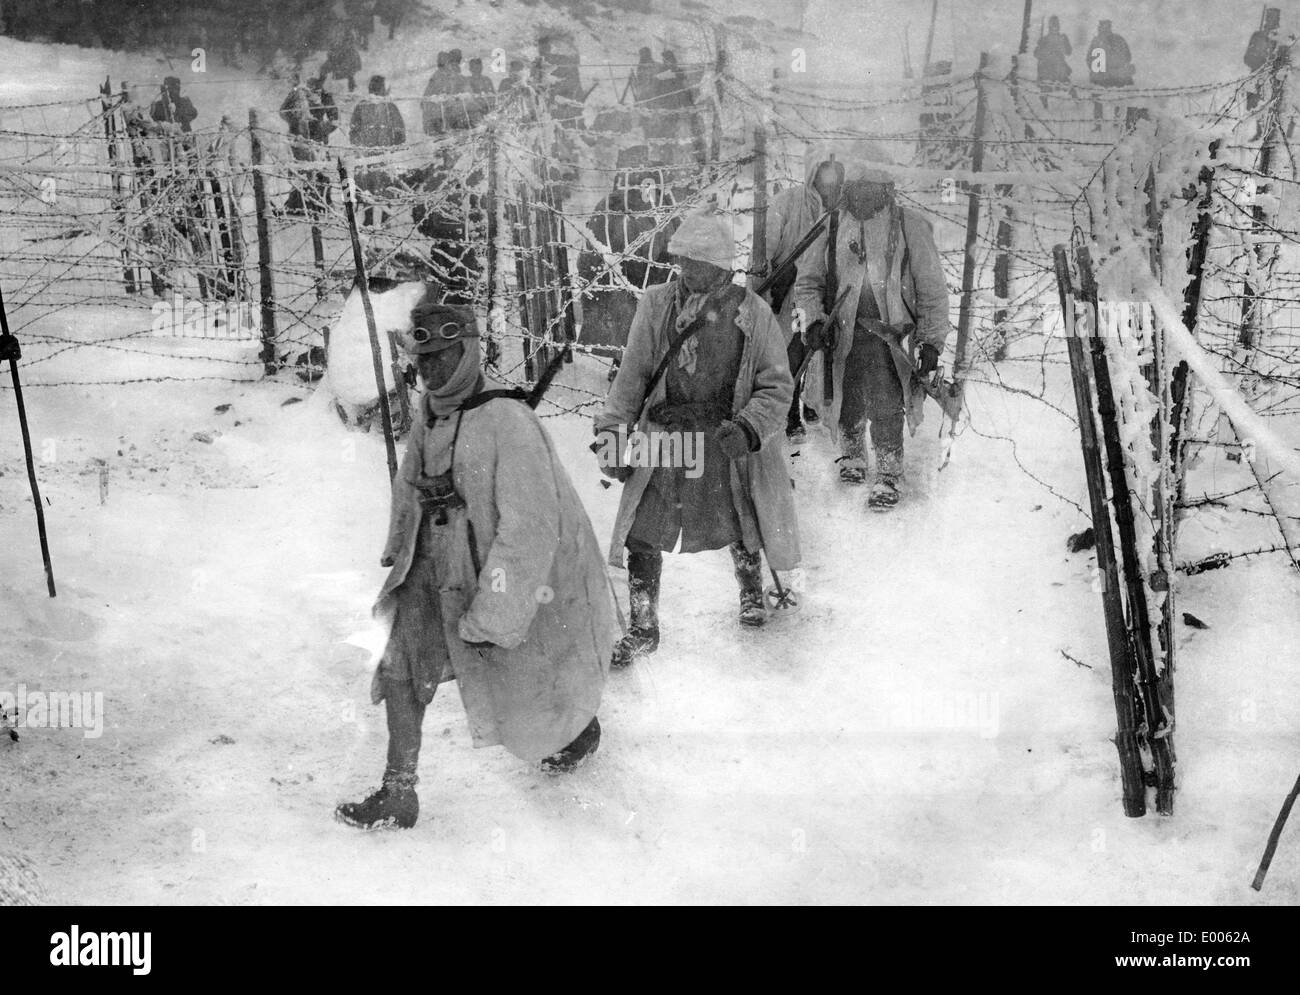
495,283
117,198
267,280
1122,682
1155,690
534,351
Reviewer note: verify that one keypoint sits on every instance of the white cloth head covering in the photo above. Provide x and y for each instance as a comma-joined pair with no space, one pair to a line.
863,159
705,236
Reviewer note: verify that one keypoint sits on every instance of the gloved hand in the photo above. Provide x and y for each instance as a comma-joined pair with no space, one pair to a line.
814,336
609,455
733,440
928,361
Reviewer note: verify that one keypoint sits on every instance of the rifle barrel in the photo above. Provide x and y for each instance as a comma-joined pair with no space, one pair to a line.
800,248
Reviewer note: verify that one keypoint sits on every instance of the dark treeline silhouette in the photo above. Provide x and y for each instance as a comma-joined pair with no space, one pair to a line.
238,32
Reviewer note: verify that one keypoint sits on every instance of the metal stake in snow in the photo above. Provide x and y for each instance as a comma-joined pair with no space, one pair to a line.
1278,824
385,415
10,350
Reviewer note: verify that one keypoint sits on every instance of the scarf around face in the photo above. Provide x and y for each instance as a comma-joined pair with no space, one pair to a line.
464,381
690,309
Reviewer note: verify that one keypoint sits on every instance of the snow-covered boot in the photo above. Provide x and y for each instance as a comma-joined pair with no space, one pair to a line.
853,458
642,636
394,806
852,471
582,747
885,492
749,574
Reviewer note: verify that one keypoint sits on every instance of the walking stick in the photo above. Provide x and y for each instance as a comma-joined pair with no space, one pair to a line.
10,350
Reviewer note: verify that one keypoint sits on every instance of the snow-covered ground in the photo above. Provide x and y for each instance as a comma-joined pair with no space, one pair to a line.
933,727
915,734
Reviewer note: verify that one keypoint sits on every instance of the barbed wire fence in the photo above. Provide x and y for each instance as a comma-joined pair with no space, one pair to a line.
136,253
551,216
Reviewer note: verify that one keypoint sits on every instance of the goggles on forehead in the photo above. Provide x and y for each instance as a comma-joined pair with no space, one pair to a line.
447,330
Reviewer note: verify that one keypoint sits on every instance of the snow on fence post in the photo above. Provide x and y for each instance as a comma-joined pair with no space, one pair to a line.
518,231
1201,230
1262,201
758,253
530,288
1154,686
1121,663
550,277
264,263
565,291
117,198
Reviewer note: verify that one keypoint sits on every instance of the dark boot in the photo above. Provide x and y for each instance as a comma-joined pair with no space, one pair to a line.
577,751
853,461
642,637
395,804
886,490
749,574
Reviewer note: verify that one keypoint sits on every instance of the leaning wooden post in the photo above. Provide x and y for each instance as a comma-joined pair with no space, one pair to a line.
386,416
758,255
1122,682
1155,689
263,247
10,349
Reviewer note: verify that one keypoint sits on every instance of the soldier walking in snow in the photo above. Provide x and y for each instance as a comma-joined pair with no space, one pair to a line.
1259,52
376,123
444,105
791,214
312,116
496,581
1052,52
1110,64
727,388
891,289
484,93
172,108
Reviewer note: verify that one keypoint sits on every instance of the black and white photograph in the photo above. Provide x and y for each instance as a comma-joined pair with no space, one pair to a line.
651,453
